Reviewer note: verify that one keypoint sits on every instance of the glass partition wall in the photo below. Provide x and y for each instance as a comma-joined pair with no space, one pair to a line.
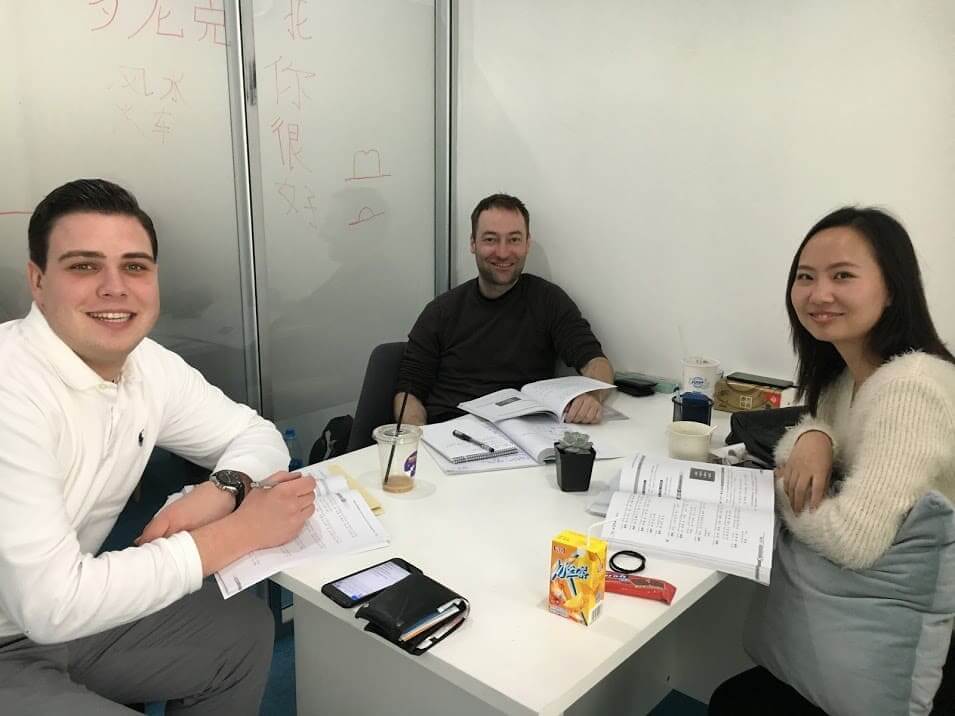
286,151
345,100
105,90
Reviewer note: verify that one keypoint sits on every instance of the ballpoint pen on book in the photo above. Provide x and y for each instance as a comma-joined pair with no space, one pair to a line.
467,438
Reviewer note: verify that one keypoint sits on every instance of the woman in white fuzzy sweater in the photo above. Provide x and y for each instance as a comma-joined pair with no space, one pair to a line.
879,383
880,387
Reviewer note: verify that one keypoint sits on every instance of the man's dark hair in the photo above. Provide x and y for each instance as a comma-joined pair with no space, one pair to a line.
905,324
499,201
81,196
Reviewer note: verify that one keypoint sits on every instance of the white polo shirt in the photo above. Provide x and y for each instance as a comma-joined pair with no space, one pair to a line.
72,449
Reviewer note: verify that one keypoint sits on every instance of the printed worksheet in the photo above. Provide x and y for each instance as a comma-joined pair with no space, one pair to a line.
342,523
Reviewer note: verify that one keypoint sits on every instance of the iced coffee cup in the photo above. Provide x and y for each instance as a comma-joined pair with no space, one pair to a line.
400,476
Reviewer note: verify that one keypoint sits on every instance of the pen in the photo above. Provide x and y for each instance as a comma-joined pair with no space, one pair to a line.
467,438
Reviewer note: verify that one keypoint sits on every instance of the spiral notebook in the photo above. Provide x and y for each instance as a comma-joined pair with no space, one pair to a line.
440,438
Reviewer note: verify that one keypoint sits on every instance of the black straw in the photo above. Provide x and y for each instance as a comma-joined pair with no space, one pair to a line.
391,455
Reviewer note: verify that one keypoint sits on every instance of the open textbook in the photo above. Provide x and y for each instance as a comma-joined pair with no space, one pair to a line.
536,435
548,397
342,523
533,437
717,516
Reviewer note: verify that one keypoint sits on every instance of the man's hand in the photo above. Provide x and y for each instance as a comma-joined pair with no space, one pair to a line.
267,518
585,409
275,516
806,473
204,504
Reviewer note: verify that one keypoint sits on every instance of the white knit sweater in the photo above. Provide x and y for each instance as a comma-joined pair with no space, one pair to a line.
894,442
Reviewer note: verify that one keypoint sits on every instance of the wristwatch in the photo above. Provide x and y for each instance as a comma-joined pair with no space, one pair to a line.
232,481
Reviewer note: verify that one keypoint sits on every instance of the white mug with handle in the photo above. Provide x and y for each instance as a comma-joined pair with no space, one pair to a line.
700,375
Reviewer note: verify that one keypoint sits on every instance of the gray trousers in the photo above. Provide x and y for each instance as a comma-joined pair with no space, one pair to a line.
202,655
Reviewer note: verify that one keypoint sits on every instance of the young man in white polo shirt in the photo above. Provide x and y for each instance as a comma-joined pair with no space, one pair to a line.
85,397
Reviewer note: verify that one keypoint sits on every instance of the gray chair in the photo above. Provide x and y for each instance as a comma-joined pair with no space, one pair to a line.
375,403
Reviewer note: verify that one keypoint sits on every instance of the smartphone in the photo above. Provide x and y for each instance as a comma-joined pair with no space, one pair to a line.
362,585
760,380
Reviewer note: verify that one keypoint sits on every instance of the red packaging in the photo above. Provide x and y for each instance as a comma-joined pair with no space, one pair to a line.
633,585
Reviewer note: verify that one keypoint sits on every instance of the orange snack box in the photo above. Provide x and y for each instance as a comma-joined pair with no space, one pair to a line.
577,573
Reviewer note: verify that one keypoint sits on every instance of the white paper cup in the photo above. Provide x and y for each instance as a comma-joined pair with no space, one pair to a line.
700,375
688,440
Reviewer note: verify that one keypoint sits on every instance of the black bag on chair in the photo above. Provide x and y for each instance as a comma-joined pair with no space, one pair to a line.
333,441
760,430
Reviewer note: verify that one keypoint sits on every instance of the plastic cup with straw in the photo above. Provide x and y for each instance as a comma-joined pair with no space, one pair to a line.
391,438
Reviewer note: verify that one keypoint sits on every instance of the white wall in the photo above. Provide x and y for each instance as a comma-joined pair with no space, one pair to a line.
673,154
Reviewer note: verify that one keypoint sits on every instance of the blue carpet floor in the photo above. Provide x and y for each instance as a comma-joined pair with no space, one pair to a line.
279,699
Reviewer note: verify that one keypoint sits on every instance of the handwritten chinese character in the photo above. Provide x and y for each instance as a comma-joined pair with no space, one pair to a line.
159,20
295,20
134,79
173,91
287,192
111,14
289,147
313,222
126,110
211,17
161,127
298,76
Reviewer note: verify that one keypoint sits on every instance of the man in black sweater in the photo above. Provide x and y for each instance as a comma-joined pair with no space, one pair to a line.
500,330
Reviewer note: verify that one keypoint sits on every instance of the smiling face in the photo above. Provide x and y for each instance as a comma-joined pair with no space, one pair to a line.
100,289
500,245
839,292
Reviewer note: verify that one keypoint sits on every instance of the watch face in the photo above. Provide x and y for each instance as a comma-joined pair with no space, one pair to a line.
228,478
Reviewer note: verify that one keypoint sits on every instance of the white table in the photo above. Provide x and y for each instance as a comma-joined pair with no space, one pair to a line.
487,536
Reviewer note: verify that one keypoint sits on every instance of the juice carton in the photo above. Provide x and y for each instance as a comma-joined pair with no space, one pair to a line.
577,572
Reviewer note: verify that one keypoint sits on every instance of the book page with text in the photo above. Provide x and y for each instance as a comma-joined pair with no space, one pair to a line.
702,481
557,393
536,435
721,533
503,404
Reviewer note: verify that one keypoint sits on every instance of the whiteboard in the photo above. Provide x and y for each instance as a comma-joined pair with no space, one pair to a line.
673,155
346,115
137,95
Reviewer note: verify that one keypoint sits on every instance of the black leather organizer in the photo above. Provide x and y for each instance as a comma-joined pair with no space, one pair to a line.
415,613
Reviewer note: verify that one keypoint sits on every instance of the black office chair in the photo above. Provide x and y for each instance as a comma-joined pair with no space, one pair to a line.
945,696
375,404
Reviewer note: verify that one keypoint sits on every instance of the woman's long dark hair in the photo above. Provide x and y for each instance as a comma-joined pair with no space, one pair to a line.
905,323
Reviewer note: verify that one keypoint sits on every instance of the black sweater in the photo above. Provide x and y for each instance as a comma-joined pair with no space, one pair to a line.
465,345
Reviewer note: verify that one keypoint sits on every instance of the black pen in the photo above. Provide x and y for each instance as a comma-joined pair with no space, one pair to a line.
467,438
